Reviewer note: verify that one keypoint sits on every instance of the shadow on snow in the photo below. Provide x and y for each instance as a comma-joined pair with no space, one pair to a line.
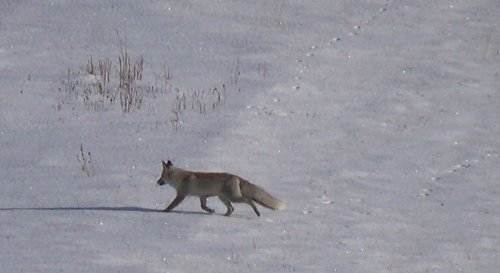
122,209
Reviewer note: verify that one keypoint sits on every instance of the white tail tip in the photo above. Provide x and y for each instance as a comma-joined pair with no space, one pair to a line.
281,206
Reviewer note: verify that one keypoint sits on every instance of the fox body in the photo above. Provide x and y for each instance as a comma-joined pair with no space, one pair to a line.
228,187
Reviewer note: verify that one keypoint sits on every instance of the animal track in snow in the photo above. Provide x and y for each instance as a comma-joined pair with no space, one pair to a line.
455,169
356,29
263,110
465,165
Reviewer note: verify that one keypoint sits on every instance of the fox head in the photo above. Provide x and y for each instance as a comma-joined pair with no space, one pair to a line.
165,174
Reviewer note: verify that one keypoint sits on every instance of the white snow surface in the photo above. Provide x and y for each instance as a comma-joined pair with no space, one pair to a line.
377,122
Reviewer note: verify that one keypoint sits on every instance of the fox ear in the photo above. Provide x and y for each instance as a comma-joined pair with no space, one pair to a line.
165,165
169,163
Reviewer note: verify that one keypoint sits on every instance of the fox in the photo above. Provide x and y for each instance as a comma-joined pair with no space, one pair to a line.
228,187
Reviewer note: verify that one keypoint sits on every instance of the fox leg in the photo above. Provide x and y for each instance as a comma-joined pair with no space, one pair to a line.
240,200
203,201
178,199
250,203
237,196
226,202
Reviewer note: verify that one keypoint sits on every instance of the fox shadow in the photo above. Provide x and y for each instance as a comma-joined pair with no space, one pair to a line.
99,208
117,209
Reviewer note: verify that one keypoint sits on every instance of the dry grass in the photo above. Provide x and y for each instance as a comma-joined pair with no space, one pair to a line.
99,88
106,85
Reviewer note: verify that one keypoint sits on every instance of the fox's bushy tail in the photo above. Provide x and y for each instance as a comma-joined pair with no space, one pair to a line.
260,196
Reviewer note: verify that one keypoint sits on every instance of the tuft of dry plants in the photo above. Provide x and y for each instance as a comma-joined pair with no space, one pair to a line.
102,85
99,88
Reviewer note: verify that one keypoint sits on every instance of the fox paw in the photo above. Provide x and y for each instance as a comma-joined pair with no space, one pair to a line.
209,210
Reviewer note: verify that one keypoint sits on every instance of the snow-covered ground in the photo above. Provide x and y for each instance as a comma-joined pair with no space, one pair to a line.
377,122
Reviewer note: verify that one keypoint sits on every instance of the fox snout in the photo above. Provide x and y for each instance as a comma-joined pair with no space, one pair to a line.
160,182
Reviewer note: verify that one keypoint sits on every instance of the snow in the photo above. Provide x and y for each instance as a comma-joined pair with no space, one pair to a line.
376,122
